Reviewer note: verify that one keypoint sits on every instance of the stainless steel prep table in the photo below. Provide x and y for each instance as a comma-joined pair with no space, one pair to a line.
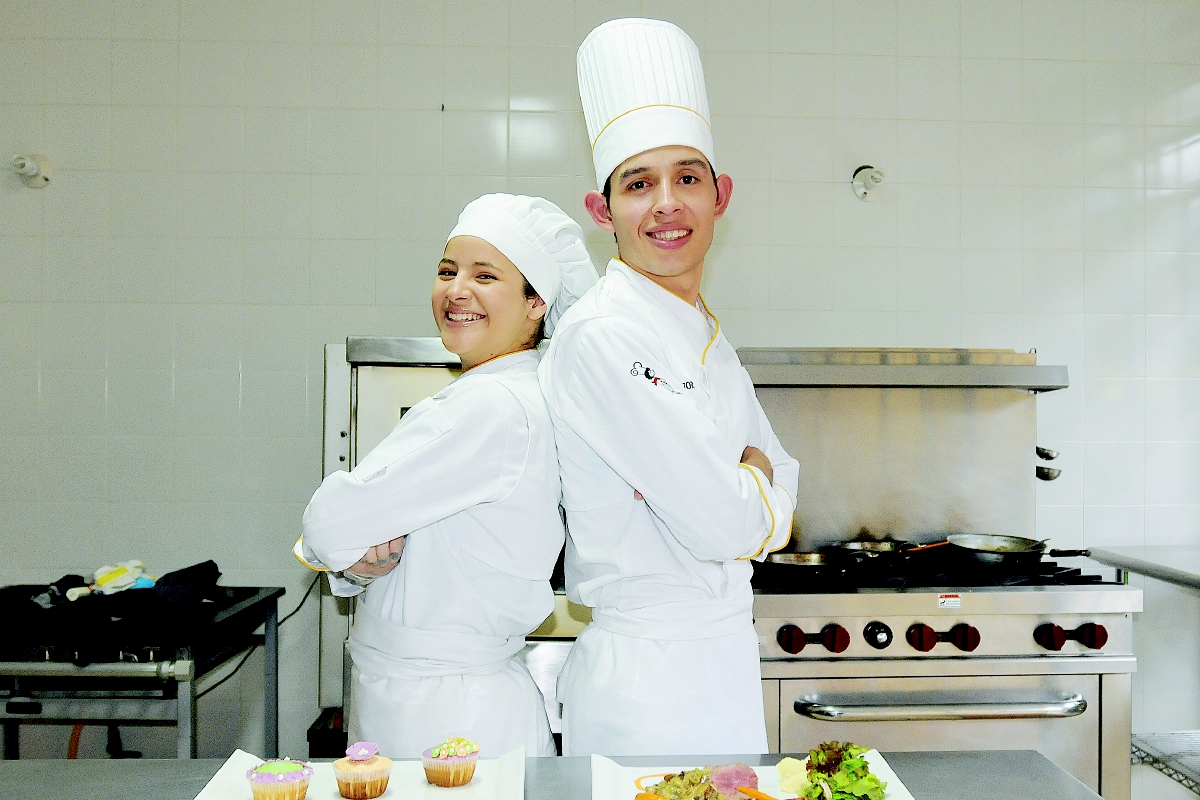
167,705
978,775
1175,754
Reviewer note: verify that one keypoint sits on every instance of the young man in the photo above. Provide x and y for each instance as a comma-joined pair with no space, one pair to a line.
672,477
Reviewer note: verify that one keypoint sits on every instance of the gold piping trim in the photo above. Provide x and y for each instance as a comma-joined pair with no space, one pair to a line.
305,563
704,355
769,511
678,297
791,519
496,358
639,108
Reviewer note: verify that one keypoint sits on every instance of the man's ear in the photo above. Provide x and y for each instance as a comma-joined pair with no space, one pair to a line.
724,192
599,211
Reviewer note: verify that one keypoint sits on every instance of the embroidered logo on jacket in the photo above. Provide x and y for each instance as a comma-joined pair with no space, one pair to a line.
649,374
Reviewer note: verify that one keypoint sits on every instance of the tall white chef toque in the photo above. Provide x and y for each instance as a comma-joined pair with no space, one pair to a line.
642,87
540,240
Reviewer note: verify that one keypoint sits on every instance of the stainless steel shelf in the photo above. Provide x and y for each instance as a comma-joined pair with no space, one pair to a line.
917,376
401,351
831,367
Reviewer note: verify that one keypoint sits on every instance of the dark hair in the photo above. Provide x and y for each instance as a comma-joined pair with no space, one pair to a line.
530,292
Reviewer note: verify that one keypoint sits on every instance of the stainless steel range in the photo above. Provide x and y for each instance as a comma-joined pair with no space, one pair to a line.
1046,668
933,650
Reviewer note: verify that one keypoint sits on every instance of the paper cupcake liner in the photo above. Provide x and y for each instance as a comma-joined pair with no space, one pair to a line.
291,790
453,771
358,782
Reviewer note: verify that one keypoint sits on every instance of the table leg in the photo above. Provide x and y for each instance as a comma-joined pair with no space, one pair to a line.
185,744
12,741
271,681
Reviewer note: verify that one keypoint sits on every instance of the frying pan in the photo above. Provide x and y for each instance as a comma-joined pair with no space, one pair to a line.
873,547
995,549
800,559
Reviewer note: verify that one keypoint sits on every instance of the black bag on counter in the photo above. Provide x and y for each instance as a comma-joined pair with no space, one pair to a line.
168,620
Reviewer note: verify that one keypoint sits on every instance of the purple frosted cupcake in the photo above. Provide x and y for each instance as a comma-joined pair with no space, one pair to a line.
451,763
280,779
363,774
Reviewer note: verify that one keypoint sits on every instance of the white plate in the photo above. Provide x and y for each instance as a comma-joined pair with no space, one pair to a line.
500,778
611,781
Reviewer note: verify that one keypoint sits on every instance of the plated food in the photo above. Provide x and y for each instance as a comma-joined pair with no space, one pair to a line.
280,779
833,771
702,783
363,774
451,763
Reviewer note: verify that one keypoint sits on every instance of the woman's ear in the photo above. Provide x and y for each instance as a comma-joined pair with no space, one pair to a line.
597,208
538,309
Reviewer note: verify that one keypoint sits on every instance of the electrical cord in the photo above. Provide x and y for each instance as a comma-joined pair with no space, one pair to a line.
241,664
303,600
250,651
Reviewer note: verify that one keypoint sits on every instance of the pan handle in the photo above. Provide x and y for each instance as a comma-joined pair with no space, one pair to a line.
1069,553
921,547
1071,706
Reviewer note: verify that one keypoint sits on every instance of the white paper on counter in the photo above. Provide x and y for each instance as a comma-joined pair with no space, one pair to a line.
500,778
611,781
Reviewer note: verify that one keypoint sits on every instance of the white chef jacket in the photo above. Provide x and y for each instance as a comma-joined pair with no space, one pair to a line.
469,477
646,394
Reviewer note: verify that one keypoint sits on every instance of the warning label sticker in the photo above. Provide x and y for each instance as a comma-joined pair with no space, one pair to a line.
949,601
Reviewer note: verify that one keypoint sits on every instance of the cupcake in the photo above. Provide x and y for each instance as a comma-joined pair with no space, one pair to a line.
280,779
363,773
451,763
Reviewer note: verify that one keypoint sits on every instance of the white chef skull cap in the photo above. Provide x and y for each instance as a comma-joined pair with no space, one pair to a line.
540,240
642,87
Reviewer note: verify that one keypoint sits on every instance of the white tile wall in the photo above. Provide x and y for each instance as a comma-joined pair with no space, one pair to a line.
241,182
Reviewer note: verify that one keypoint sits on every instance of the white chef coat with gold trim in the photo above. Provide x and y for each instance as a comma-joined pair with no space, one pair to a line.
469,476
646,394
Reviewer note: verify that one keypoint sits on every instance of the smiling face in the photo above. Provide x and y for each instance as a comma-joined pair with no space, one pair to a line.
662,206
479,303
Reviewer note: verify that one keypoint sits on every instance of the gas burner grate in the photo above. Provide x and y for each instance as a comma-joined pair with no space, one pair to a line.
882,573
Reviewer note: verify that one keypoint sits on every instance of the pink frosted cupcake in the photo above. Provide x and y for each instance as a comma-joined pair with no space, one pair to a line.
280,779
451,763
363,774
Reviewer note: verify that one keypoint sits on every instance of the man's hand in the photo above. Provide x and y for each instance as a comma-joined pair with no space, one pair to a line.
754,457
379,560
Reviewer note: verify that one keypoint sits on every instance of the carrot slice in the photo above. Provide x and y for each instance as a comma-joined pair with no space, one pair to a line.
755,793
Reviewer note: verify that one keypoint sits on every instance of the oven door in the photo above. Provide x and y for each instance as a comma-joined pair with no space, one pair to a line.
1057,715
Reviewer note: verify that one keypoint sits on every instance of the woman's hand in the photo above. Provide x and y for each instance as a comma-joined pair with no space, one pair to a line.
379,560
754,457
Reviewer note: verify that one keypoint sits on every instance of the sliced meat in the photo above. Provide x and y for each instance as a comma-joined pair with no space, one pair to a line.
727,779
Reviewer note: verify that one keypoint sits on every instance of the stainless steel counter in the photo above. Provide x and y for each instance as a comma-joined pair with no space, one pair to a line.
985,775
1174,564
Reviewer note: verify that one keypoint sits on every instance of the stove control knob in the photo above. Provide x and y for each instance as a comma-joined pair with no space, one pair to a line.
965,637
1091,635
835,638
1050,636
791,639
878,635
921,637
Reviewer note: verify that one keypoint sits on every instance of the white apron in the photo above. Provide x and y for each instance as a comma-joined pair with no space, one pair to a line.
469,477
646,394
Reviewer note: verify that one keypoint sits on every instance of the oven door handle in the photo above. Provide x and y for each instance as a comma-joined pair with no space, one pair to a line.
1071,706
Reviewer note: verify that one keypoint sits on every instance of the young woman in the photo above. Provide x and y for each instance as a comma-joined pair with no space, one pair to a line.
466,488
